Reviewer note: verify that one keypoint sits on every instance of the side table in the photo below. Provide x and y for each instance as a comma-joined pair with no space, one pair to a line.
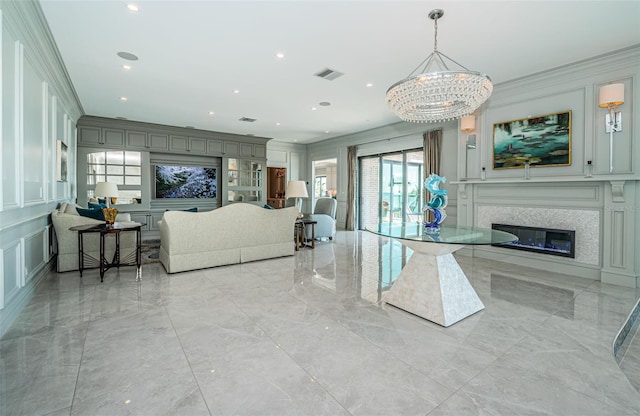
300,228
105,264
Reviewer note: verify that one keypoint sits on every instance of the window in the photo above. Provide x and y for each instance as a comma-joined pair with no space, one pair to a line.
121,167
390,187
321,186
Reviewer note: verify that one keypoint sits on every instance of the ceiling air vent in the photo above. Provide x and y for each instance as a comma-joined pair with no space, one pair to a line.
328,74
247,119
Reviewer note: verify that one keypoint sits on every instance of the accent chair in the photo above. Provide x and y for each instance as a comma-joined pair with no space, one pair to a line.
325,214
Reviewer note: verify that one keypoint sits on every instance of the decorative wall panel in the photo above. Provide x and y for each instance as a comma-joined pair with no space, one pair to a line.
11,279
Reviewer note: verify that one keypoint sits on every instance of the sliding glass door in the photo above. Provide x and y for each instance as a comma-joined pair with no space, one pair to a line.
390,187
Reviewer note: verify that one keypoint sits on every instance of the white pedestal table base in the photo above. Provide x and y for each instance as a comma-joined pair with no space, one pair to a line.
433,286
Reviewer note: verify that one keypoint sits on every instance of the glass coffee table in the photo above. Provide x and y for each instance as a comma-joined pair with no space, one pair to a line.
103,263
432,285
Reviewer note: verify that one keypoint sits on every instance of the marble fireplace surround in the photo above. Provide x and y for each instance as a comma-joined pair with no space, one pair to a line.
601,211
585,223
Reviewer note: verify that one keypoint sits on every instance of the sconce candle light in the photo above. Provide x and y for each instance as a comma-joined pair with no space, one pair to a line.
612,96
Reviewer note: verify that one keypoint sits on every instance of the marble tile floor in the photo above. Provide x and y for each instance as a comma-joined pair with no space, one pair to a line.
308,335
629,356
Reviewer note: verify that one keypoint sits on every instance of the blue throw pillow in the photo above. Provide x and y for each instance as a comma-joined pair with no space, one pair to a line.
96,206
102,201
194,209
96,214
267,206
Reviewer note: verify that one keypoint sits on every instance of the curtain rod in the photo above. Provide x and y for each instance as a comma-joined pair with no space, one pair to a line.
397,137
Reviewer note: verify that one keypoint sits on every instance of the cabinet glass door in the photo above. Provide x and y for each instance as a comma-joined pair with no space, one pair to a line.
244,180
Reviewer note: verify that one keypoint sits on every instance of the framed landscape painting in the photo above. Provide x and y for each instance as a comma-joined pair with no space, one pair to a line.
541,141
61,161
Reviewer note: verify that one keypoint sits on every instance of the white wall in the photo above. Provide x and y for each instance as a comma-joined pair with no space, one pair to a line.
39,107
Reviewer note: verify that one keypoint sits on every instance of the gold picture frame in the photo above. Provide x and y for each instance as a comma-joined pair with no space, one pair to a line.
541,141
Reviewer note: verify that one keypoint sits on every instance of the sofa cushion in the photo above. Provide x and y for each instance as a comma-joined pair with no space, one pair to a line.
96,206
96,214
71,209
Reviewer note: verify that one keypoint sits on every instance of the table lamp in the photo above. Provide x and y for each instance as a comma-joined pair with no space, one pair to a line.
107,190
297,190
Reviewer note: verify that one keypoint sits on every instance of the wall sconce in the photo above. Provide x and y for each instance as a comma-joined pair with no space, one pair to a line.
612,96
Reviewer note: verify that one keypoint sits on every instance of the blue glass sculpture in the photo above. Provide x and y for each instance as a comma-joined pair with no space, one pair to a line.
436,204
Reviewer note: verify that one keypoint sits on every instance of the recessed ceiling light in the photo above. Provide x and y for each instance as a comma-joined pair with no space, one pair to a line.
279,55
326,131
127,67
313,109
236,91
211,113
123,98
277,124
132,7
369,85
128,56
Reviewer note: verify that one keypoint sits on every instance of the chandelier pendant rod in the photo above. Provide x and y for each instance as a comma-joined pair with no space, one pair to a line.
452,60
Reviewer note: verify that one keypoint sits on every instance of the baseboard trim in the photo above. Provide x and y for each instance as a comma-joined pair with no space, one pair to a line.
10,313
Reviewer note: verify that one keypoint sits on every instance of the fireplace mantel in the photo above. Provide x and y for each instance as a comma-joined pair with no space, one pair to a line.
554,179
606,204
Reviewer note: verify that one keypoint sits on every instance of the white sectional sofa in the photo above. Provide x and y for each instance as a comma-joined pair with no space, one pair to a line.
236,233
65,217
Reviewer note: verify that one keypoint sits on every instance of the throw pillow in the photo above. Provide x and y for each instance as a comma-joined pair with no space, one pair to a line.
267,206
102,201
96,206
71,209
96,214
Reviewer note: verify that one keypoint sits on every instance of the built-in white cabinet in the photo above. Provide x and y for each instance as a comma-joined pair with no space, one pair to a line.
113,137
188,144
149,218
127,135
140,140
215,147
231,149
245,181
258,151
95,136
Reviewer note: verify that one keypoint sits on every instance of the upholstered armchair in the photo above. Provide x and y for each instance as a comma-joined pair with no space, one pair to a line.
325,214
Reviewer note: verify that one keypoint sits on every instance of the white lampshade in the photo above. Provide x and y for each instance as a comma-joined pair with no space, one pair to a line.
106,189
296,189
468,123
611,95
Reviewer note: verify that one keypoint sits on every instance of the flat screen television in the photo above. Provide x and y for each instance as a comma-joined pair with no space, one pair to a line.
191,182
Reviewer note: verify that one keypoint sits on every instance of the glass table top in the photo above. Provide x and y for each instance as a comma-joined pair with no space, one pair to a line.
450,234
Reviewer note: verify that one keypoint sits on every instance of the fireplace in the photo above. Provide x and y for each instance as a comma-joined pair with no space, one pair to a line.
540,240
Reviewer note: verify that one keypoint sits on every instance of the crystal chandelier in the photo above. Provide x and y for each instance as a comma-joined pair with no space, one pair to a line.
441,95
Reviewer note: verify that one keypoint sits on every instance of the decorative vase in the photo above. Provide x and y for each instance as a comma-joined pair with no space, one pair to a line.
109,215
114,199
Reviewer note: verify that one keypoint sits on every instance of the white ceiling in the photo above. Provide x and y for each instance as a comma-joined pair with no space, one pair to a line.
193,54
